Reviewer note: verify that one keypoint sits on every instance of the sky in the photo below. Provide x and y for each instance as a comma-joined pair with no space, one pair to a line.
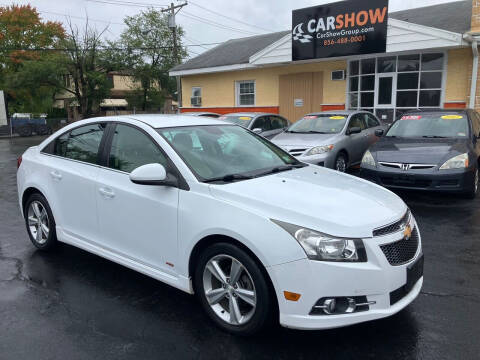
204,21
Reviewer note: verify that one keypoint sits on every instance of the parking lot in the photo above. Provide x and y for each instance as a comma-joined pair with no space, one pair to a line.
74,305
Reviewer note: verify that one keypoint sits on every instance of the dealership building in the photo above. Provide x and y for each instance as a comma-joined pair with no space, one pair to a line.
342,56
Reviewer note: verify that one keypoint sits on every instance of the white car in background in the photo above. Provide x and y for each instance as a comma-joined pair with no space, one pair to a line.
213,209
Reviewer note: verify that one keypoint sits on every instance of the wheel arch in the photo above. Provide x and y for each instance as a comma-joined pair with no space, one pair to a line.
29,191
209,240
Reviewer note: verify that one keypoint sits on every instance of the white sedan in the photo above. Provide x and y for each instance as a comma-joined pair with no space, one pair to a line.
216,210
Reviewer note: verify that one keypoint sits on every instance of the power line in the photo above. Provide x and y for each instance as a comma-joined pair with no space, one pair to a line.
184,13
128,3
213,23
228,17
104,48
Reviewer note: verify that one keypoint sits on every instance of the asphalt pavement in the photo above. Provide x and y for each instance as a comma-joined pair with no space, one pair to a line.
69,304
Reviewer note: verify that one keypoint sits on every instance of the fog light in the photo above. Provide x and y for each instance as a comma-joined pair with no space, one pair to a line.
341,305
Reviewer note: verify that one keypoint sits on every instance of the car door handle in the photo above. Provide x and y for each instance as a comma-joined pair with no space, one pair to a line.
108,193
56,175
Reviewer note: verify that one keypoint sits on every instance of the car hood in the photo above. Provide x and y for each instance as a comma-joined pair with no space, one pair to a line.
303,140
321,199
419,151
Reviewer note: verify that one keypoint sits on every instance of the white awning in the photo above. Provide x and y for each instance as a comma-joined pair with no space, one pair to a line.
114,103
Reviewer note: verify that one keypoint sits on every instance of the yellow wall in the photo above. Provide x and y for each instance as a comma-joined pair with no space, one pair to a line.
218,89
122,82
459,70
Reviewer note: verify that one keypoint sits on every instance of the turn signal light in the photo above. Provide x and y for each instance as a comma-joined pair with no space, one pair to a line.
291,296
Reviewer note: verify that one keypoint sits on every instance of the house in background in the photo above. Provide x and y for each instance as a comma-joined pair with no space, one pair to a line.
122,83
427,64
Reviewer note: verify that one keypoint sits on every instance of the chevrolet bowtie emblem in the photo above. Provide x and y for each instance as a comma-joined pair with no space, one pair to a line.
407,233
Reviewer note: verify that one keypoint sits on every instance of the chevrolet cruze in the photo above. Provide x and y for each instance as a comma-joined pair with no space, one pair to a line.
216,210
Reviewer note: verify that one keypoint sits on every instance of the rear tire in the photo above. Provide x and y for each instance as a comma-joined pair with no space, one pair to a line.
240,303
40,222
473,188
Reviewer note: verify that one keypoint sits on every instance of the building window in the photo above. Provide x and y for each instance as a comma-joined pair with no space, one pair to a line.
391,85
196,96
245,93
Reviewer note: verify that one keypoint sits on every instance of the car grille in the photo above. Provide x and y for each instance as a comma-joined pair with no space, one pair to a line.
401,252
297,152
393,228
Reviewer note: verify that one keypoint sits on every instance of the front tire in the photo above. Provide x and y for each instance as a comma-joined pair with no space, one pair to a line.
40,222
233,289
341,162
473,188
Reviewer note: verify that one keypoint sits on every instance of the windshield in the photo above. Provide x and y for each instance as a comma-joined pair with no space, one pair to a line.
237,119
322,124
430,125
227,153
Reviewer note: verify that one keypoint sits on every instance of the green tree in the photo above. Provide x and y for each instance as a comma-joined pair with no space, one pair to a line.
147,52
26,42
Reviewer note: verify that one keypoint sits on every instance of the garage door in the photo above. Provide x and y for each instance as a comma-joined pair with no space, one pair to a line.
300,94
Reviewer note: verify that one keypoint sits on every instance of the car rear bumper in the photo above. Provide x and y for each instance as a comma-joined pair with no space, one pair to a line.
387,288
429,180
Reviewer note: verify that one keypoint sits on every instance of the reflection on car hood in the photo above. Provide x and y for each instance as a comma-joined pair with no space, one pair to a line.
419,151
304,140
321,199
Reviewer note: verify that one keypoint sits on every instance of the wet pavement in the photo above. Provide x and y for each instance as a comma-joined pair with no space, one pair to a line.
69,304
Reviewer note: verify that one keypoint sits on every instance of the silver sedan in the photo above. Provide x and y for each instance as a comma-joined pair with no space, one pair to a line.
334,139
265,124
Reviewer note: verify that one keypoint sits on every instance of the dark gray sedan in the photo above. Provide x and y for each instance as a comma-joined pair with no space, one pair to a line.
265,124
334,139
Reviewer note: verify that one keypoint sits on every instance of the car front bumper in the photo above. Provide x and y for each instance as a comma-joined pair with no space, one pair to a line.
375,279
326,159
430,180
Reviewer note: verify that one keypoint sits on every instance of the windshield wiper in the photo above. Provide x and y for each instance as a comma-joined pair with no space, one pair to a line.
229,178
278,169
434,137
316,132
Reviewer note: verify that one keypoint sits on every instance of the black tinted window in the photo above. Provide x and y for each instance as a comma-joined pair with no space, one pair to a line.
263,123
278,122
131,148
83,143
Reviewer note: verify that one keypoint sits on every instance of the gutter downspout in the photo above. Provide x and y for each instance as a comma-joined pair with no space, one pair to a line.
473,87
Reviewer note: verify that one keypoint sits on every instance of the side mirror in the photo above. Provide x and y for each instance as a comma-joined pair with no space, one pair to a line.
257,131
354,130
150,174
379,132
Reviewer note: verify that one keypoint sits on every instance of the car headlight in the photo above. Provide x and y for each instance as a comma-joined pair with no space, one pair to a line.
319,150
368,159
324,247
457,162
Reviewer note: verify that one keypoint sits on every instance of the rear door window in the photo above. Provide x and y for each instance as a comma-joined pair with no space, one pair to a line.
263,122
278,122
83,143
371,121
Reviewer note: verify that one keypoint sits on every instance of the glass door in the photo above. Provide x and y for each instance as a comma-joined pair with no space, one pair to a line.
385,96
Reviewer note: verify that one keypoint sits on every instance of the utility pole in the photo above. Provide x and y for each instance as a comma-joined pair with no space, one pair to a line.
173,10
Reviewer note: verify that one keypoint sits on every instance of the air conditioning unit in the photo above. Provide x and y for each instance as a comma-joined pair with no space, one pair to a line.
338,75
196,100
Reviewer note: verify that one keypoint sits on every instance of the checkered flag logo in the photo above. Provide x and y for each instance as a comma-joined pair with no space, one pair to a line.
299,35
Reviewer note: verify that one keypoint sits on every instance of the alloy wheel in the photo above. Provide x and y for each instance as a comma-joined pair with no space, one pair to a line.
229,289
38,223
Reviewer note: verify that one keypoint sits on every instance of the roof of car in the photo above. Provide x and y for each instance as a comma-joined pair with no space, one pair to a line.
199,113
248,114
434,111
336,112
158,121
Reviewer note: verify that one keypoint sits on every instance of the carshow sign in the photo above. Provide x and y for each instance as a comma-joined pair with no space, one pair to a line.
343,28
